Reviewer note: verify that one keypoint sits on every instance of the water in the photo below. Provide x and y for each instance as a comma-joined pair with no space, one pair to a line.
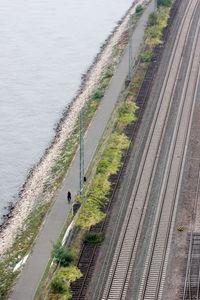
45,47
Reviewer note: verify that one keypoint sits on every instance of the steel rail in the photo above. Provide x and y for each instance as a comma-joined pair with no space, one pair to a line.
126,158
103,298
198,284
191,237
175,190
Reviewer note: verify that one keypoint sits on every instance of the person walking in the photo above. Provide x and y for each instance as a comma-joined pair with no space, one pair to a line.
69,196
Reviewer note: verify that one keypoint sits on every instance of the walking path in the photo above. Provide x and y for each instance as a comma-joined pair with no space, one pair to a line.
32,272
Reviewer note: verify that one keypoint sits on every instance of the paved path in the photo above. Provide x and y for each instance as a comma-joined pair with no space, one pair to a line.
32,272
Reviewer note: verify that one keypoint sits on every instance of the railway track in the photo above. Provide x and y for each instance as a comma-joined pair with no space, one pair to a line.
155,266
88,252
124,257
192,277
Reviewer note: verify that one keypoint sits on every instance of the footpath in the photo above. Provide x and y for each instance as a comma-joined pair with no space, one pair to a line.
33,270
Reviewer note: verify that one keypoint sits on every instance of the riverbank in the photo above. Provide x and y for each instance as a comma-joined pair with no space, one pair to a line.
32,191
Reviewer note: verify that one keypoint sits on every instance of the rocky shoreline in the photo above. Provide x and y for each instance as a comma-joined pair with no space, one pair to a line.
31,193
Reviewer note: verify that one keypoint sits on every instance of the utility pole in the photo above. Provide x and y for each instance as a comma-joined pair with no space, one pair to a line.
155,5
81,156
130,48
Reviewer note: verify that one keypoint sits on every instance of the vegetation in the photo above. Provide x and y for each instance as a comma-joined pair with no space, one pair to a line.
156,22
139,9
167,3
60,284
146,55
93,237
62,255
109,164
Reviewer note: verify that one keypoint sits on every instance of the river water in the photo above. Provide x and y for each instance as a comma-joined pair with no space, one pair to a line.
45,46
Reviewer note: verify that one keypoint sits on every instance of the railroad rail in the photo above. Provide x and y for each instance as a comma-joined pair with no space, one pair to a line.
89,252
192,277
119,275
123,260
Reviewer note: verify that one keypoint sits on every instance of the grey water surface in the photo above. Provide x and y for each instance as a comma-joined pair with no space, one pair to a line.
45,46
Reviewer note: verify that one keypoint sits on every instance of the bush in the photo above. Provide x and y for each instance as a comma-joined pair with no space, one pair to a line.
93,237
57,285
60,284
104,83
146,56
138,9
97,94
153,19
167,3
108,74
62,255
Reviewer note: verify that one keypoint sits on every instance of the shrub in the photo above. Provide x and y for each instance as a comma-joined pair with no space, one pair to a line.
138,9
57,285
93,237
146,56
153,19
167,3
154,35
62,255
104,83
108,74
60,284
97,94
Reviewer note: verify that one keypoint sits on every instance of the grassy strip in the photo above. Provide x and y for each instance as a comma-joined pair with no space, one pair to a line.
20,248
91,212
109,164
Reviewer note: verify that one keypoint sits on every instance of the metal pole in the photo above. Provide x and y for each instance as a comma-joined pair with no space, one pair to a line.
81,157
155,5
130,48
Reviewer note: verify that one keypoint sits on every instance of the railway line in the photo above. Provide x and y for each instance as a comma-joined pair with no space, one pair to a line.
192,278
124,257
166,144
